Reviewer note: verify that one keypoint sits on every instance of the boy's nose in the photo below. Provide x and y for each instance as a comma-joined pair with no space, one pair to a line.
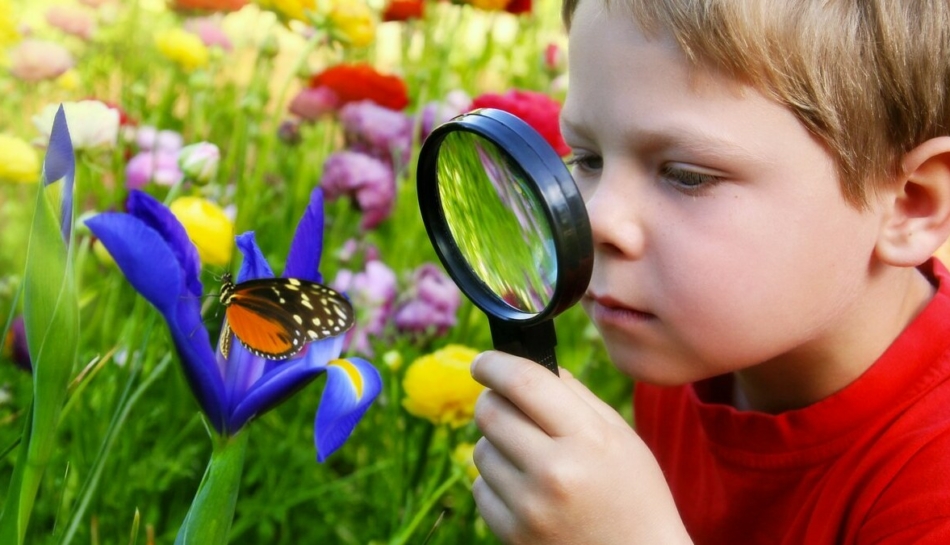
615,208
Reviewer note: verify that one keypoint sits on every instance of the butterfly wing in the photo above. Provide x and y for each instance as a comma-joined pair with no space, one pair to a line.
276,317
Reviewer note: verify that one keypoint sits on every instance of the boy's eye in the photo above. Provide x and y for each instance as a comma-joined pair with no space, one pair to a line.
585,162
689,180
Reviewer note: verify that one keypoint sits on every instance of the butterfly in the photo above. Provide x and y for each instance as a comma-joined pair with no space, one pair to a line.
276,317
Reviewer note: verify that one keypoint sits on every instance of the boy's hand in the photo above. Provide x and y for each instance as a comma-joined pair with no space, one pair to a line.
560,466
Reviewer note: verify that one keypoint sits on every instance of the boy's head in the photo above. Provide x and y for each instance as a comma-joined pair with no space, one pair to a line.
711,155
870,78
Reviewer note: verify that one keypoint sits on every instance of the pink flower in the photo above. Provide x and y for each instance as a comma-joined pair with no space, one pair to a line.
436,113
210,31
378,131
367,180
312,103
434,303
289,132
373,292
36,60
72,20
554,59
157,166
149,138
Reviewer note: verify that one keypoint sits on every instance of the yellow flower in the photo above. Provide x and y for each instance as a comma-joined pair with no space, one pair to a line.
289,9
208,227
440,387
353,21
462,456
8,24
69,80
489,5
19,162
183,48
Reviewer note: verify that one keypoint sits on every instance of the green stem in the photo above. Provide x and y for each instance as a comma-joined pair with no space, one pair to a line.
424,508
209,519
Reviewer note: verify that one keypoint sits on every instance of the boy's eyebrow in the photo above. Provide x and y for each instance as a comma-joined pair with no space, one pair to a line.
693,139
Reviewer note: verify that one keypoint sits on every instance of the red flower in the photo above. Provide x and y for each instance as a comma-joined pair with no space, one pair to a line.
536,109
352,82
518,7
403,10
207,5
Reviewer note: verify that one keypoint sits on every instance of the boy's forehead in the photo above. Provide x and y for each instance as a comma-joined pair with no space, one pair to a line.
598,27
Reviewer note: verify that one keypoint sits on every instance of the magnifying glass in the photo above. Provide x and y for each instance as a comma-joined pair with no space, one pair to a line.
508,224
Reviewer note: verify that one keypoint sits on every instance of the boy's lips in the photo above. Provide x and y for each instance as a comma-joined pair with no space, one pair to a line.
605,309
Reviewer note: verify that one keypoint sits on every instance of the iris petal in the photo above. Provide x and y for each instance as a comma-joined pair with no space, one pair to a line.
352,385
282,378
254,265
157,216
144,257
150,265
303,260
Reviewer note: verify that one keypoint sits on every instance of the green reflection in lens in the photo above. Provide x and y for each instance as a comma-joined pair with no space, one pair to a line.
497,221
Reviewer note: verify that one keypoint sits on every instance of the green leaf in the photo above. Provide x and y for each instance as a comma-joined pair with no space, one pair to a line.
51,320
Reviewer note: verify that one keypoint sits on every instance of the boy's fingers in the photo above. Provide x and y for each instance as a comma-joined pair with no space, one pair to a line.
539,394
605,410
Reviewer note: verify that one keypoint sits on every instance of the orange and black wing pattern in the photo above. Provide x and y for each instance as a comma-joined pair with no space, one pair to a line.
276,317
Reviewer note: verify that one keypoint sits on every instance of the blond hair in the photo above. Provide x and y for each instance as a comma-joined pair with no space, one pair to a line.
870,78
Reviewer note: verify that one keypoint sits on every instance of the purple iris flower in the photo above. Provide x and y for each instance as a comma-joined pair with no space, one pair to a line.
156,256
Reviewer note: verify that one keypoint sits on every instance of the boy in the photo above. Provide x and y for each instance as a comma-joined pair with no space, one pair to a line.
766,182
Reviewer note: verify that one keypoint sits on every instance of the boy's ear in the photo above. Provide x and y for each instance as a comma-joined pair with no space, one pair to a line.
918,220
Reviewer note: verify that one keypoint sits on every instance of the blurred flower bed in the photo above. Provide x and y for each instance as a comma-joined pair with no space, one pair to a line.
229,113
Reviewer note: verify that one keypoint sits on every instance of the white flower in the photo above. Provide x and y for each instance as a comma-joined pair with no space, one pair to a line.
91,123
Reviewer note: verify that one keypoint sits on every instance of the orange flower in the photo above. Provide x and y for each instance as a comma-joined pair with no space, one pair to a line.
403,10
353,82
207,5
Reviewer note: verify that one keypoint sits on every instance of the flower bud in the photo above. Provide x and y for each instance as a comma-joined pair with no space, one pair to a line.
199,162
270,46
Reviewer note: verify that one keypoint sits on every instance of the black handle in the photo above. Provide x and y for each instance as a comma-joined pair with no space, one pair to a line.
535,342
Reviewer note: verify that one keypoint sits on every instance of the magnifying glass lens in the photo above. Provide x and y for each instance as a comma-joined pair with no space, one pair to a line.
497,221
508,224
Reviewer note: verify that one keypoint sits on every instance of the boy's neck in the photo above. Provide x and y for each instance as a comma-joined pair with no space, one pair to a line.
826,365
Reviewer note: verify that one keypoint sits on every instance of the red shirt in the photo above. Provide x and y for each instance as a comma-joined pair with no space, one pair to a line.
867,465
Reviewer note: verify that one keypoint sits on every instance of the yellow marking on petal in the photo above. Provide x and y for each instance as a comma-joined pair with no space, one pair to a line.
356,379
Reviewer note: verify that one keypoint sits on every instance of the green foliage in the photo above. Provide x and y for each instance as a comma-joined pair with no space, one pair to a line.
130,445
